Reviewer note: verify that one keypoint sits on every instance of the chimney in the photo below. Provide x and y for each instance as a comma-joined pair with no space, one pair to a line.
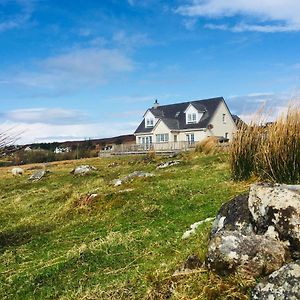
156,104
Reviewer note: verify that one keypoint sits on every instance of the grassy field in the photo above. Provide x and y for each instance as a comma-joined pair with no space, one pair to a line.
126,244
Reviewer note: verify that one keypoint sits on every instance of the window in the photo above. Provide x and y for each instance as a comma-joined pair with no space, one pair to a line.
224,118
149,122
191,118
161,138
190,138
145,140
226,135
175,138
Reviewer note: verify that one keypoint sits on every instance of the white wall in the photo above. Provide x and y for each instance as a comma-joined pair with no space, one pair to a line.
199,135
220,128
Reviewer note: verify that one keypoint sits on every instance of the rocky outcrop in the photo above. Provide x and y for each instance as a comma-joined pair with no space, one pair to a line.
282,284
259,235
277,207
251,255
234,215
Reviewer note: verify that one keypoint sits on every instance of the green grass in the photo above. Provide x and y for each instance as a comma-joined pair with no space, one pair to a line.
124,245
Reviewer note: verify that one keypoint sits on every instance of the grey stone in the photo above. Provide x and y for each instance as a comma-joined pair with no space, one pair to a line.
277,208
83,170
234,215
250,255
37,175
168,164
283,284
17,171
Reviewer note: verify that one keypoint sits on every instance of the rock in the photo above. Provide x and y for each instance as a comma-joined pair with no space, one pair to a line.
283,284
17,171
168,164
234,215
116,182
250,255
37,175
194,226
83,170
277,208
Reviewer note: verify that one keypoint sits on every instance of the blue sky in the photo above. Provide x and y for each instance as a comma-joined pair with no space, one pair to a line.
84,69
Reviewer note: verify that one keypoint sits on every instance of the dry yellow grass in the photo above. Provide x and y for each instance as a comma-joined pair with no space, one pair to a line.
271,152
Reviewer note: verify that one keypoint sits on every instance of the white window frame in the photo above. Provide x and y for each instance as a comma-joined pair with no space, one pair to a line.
192,118
190,138
162,138
149,122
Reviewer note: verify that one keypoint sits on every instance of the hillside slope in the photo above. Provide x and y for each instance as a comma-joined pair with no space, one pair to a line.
125,244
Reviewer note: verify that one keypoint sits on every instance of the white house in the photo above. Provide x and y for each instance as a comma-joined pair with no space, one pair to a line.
185,123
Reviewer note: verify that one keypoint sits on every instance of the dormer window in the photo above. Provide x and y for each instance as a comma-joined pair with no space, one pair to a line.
191,118
149,122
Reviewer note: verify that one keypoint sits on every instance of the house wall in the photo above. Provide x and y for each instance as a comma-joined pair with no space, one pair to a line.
220,128
161,128
199,135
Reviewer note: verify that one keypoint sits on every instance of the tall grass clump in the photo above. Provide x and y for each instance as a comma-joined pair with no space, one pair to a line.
243,150
278,158
270,152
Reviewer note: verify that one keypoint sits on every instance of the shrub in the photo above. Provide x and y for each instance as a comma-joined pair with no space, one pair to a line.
207,146
270,152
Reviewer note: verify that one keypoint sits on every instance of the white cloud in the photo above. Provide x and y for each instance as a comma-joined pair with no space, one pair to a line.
17,20
44,115
39,132
77,68
263,15
267,105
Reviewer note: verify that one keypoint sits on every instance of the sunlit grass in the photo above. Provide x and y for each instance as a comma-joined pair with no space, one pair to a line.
124,245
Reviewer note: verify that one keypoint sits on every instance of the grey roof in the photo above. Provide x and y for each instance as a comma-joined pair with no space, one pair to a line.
174,117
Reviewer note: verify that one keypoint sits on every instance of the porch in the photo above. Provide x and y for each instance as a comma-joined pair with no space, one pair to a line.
159,148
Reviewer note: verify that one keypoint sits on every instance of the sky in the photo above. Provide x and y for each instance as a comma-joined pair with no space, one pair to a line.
79,69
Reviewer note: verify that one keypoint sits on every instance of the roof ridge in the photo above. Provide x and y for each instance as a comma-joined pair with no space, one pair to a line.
191,101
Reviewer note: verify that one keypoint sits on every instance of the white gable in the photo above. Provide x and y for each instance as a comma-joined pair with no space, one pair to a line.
192,115
150,119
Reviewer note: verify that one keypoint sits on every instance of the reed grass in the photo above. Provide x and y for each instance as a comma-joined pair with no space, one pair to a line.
270,152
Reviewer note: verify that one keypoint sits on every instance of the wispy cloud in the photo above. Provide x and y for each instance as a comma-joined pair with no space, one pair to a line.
261,15
71,70
55,116
18,19
273,104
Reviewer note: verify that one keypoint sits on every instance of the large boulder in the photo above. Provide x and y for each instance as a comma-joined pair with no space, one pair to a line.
282,284
277,207
234,215
249,255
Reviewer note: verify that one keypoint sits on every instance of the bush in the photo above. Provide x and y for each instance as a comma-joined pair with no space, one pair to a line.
208,146
271,152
